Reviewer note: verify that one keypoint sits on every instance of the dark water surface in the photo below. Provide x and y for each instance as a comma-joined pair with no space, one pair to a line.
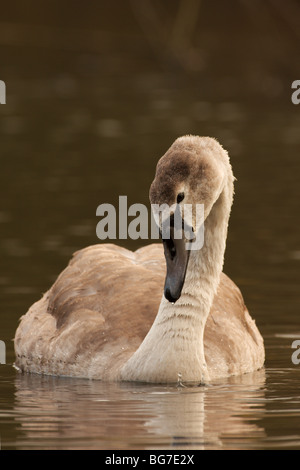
90,108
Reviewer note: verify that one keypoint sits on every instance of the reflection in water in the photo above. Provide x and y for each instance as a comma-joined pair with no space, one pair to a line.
70,413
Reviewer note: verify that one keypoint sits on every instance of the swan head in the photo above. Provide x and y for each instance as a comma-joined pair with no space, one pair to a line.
191,174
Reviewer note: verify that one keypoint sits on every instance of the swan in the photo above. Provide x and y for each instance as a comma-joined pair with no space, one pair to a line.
106,318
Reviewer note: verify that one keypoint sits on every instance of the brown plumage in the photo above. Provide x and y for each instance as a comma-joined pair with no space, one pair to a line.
106,317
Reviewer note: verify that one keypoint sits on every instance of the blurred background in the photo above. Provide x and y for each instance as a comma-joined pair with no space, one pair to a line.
98,91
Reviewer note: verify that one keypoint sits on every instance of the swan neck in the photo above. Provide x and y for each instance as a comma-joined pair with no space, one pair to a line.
173,349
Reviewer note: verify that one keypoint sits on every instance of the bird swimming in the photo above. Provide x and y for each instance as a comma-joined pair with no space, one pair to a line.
157,314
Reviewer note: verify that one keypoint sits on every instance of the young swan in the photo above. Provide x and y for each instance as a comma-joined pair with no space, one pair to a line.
96,319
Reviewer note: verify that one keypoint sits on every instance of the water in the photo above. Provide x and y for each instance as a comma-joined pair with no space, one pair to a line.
256,411
90,109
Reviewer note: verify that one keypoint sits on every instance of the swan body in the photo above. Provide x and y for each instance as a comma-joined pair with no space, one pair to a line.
105,316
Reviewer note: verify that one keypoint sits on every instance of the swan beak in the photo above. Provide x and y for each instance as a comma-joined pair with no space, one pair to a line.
177,257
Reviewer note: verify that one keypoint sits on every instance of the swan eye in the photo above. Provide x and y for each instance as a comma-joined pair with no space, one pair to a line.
180,197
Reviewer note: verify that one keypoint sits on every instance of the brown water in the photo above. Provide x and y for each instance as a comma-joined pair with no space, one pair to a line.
92,104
